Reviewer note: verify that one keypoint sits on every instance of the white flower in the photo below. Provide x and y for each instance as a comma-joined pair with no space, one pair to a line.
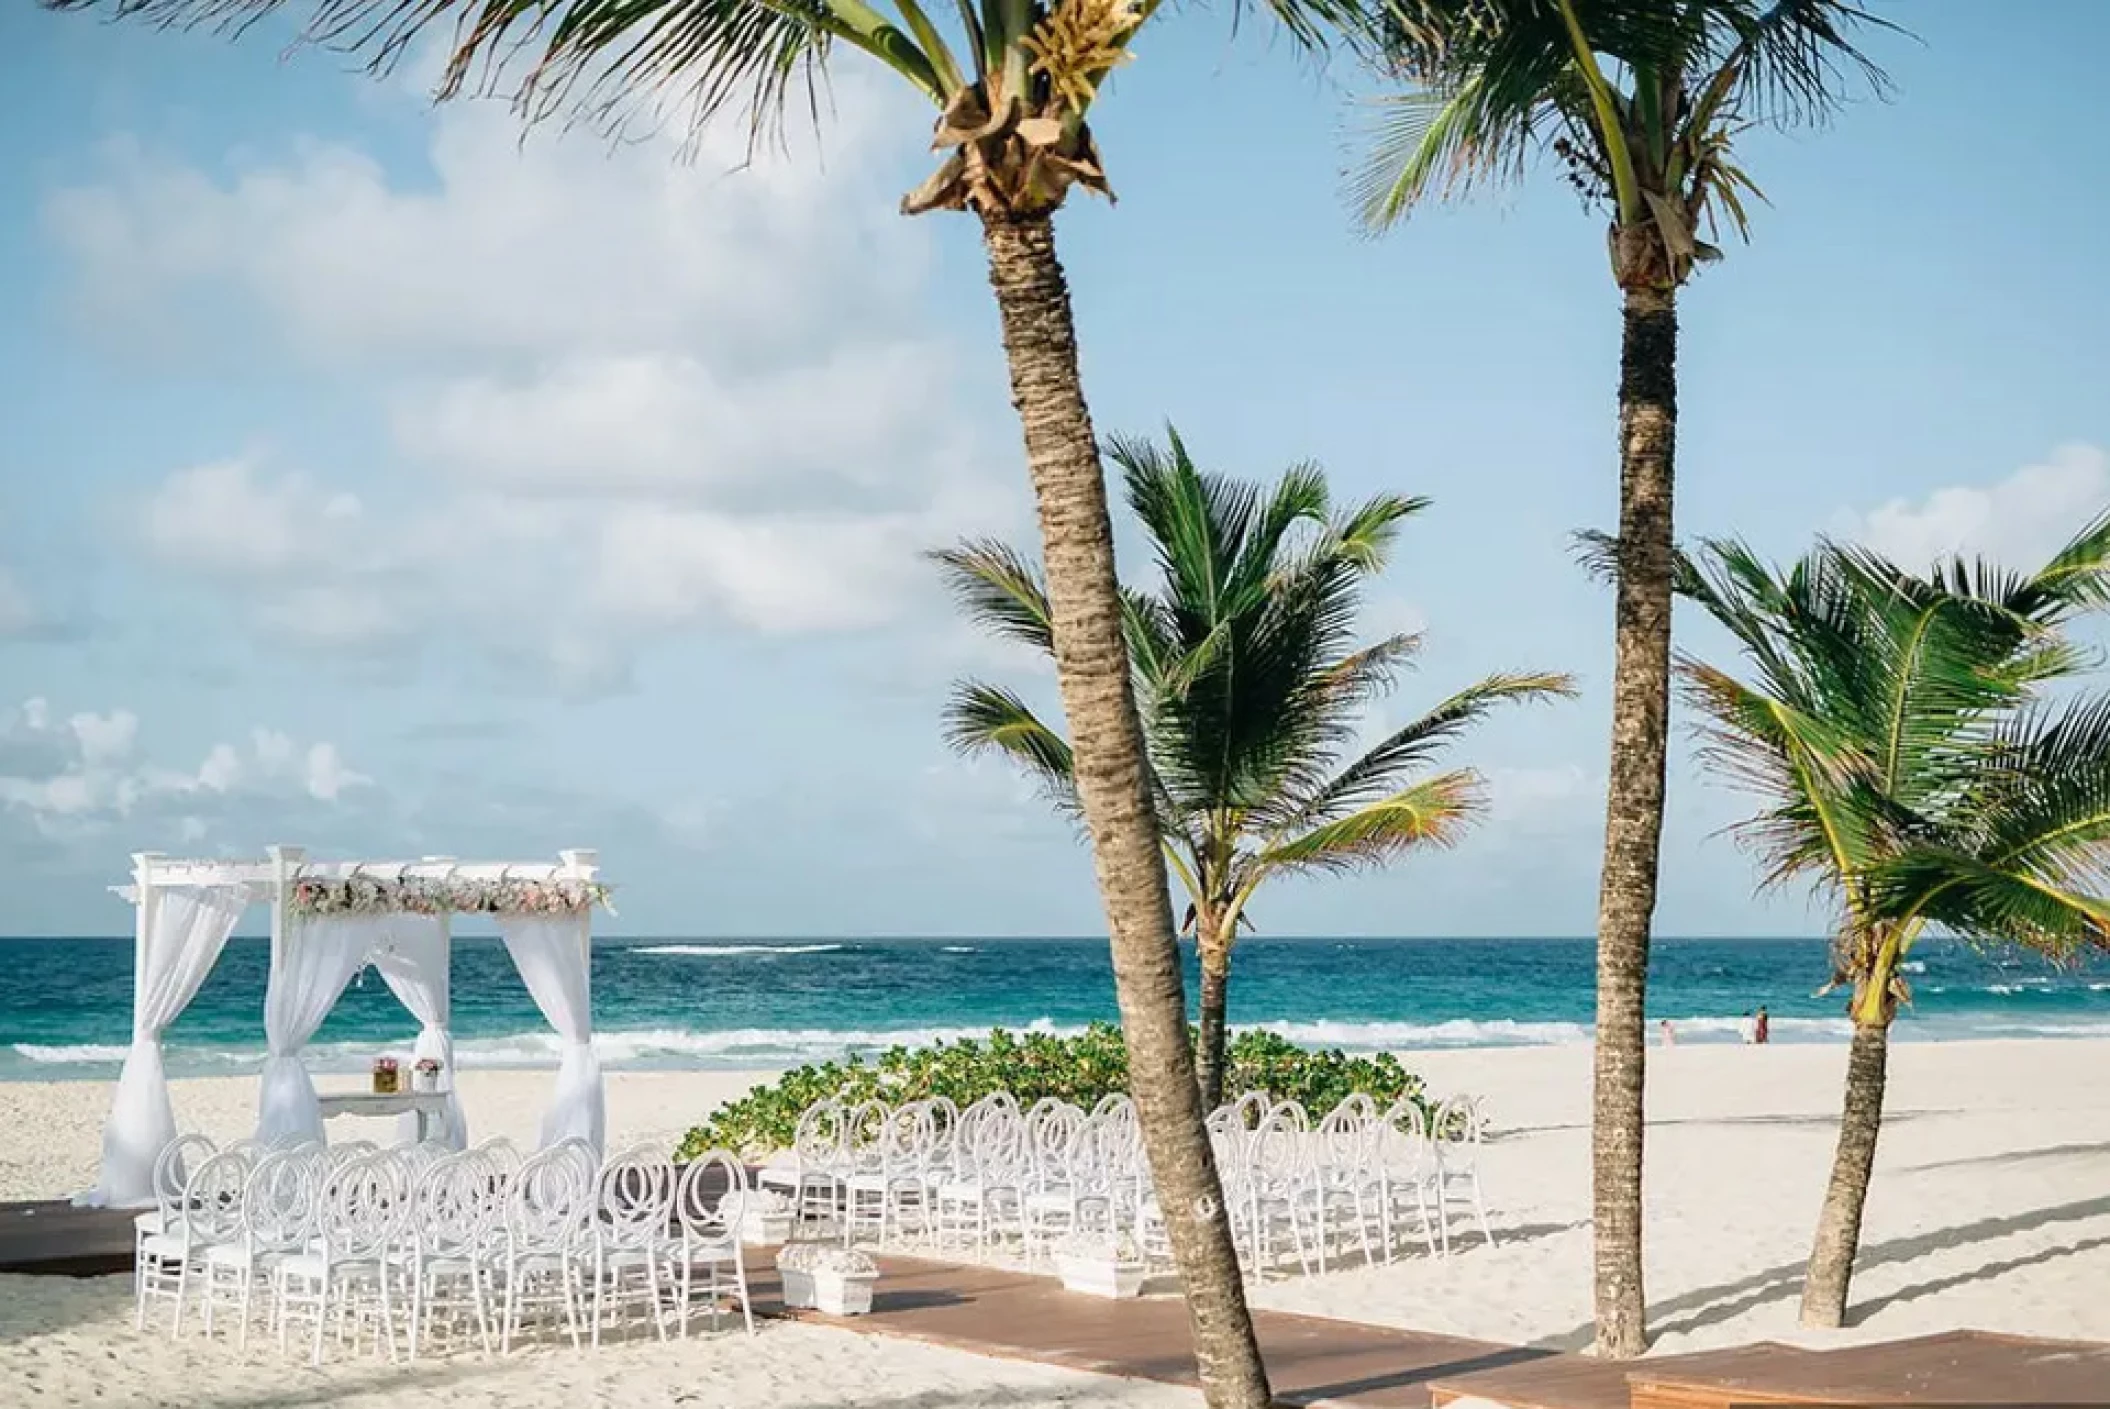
1102,1245
767,1202
827,1257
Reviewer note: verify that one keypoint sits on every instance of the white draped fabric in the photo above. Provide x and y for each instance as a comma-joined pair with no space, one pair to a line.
181,934
553,954
412,960
317,959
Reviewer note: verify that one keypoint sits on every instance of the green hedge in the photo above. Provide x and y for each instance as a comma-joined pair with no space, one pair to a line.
1078,1069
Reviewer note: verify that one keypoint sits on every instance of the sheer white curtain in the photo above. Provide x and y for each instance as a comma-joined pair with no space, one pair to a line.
412,960
318,958
181,933
553,955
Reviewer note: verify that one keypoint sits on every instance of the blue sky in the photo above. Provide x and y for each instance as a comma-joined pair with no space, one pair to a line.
375,483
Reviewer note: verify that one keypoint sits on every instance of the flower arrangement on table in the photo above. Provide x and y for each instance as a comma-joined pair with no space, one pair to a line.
1100,1262
425,1074
436,895
827,1277
757,1215
388,1078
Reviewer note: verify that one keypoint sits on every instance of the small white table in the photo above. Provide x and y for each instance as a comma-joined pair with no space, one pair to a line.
428,1106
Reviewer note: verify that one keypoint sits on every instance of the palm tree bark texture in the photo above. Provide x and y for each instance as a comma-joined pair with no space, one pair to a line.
1213,951
1626,904
1098,699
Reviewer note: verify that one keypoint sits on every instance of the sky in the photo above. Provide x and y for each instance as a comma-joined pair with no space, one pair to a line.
378,482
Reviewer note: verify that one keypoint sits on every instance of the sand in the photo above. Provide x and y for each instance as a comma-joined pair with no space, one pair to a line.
1991,1209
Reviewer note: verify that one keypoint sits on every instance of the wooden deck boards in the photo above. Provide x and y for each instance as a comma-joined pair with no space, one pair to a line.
1953,1368
1313,1361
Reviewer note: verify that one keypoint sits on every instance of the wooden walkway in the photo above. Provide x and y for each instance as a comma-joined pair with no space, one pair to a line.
1314,1361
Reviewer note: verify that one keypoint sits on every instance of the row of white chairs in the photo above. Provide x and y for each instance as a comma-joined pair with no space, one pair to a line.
430,1241
994,1174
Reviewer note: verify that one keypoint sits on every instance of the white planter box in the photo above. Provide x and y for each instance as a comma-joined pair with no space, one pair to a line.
1098,1276
840,1295
798,1289
422,1081
759,1228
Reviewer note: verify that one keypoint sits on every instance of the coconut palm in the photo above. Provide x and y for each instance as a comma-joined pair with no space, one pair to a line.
1251,688
1639,103
1912,770
1012,86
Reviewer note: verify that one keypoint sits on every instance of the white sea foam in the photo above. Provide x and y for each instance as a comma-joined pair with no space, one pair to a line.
715,951
1457,1032
1912,966
959,949
69,1053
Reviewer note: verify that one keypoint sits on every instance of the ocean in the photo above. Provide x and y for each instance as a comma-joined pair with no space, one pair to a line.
65,1004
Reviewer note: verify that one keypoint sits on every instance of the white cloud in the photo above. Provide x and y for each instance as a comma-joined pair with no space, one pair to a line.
618,397
2018,522
104,738
82,776
326,774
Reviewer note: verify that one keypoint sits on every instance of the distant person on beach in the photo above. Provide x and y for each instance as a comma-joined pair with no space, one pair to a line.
1748,1029
1670,1034
1762,1030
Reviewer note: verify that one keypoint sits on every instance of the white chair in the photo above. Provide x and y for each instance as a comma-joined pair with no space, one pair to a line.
455,1206
633,1209
349,1267
1456,1130
547,1205
989,1174
157,1266
208,1213
278,1218
809,1177
707,1240
1407,1171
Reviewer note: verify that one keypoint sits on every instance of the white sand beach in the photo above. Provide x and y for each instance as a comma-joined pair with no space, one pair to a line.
1991,1209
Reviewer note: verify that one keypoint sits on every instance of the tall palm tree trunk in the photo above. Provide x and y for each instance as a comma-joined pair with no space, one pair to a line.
1626,903
1824,1285
1214,1014
1092,668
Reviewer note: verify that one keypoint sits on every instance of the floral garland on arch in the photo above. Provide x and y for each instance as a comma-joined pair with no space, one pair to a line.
432,895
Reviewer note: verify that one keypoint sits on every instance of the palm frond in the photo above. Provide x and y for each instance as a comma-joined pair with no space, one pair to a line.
1433,812
999,590
1378,771
981,718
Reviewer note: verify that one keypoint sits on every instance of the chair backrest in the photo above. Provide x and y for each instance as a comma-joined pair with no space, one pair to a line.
365,1203
634,1199
213,1196
707,1203
173,1166
865,1135
910,1138
1456,1128
279,1205
818,1141
1113,1101
1279,1151
549,1202
453,1206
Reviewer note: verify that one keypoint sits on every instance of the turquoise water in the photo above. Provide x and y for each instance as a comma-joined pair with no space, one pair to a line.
669,1003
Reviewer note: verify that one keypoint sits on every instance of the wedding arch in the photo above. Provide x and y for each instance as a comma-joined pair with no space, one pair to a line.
330,919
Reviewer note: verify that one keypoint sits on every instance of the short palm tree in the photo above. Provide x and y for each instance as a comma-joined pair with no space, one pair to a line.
1911,768
1639,103
1012,88
1251,688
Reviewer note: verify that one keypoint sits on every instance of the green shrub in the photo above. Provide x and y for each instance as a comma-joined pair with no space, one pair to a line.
1032,1065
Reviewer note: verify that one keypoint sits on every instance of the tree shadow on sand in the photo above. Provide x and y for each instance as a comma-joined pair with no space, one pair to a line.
1711,1306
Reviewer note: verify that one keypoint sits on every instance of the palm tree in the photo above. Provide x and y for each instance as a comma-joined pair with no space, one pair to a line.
1012,89
1639,102
1911,770
1251,689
